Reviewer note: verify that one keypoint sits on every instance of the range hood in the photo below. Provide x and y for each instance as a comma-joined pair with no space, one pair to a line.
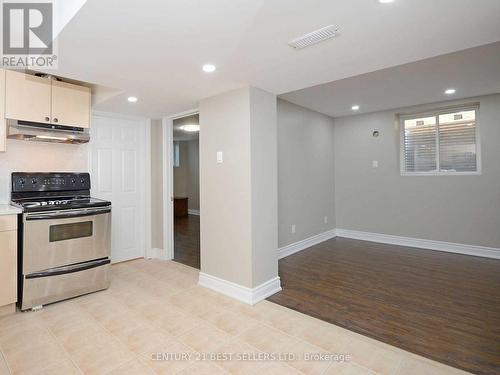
34,131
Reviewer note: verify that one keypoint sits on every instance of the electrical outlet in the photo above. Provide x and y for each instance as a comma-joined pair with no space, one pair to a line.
293,228
325,219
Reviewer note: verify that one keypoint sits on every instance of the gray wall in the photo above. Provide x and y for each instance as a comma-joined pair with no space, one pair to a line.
305,172
186,176
460,209
238,193
181,173
193,151
264,177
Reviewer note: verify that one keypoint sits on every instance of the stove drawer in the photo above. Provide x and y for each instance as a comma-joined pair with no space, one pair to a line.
64,282
62,238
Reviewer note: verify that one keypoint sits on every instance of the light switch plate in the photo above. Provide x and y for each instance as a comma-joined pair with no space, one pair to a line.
375,163
220,157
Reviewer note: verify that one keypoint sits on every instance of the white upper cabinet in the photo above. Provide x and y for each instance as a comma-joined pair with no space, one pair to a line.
27,97
70,104
44,100
2,111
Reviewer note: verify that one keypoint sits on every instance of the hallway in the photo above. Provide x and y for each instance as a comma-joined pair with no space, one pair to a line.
187,240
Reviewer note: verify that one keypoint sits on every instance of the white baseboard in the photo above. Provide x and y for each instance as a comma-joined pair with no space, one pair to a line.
481,251
156,253
193,212
244,294
304,244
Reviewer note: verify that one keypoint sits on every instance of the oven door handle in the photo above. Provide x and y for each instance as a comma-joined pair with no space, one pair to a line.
68,214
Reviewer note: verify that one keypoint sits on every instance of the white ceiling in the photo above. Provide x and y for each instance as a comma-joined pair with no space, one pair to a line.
154,49
64,11
472,72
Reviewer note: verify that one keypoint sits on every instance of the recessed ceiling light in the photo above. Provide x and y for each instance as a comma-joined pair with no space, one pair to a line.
450,91
385,1
355,107
190,128
209,68
132,99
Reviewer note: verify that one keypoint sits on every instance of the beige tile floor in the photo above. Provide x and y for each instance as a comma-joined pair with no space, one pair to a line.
156,307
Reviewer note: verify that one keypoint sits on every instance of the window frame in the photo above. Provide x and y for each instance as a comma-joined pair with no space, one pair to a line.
436,113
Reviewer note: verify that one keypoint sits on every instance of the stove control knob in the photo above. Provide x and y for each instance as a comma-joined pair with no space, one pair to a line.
33,181
82,181
73,181
22,181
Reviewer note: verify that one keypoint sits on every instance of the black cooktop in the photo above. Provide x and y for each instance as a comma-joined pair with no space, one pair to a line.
50,191
58,203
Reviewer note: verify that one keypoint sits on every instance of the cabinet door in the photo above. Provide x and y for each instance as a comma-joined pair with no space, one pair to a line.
70,104
8,267
27,97
2,111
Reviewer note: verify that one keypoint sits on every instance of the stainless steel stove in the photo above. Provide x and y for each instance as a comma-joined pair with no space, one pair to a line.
64,237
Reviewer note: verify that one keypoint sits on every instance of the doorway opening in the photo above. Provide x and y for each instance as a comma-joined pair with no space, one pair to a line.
186,190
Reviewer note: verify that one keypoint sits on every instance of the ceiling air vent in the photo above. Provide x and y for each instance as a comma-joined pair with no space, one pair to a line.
314,37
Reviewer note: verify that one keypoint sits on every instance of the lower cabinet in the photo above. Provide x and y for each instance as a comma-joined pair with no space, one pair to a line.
8,263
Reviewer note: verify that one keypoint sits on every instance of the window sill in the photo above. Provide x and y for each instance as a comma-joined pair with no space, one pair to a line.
410,174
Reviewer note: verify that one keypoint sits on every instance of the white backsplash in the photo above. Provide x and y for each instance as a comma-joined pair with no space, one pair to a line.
26,156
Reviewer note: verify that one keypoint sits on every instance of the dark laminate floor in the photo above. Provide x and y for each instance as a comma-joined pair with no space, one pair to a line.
187,240
440,305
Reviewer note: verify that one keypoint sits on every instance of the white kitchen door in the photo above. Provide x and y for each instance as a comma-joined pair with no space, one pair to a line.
118,172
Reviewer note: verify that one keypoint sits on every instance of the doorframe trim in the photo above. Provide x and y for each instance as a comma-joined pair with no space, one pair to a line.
147,160
168,181
167,184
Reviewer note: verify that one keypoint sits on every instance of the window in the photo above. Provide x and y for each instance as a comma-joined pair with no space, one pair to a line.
440,143
62,232
177,158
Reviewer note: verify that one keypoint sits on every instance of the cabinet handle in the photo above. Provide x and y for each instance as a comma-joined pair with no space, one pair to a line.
55,119
47,118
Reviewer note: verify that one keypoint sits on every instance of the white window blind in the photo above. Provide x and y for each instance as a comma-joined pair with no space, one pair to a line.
420,144
443,142
457,141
